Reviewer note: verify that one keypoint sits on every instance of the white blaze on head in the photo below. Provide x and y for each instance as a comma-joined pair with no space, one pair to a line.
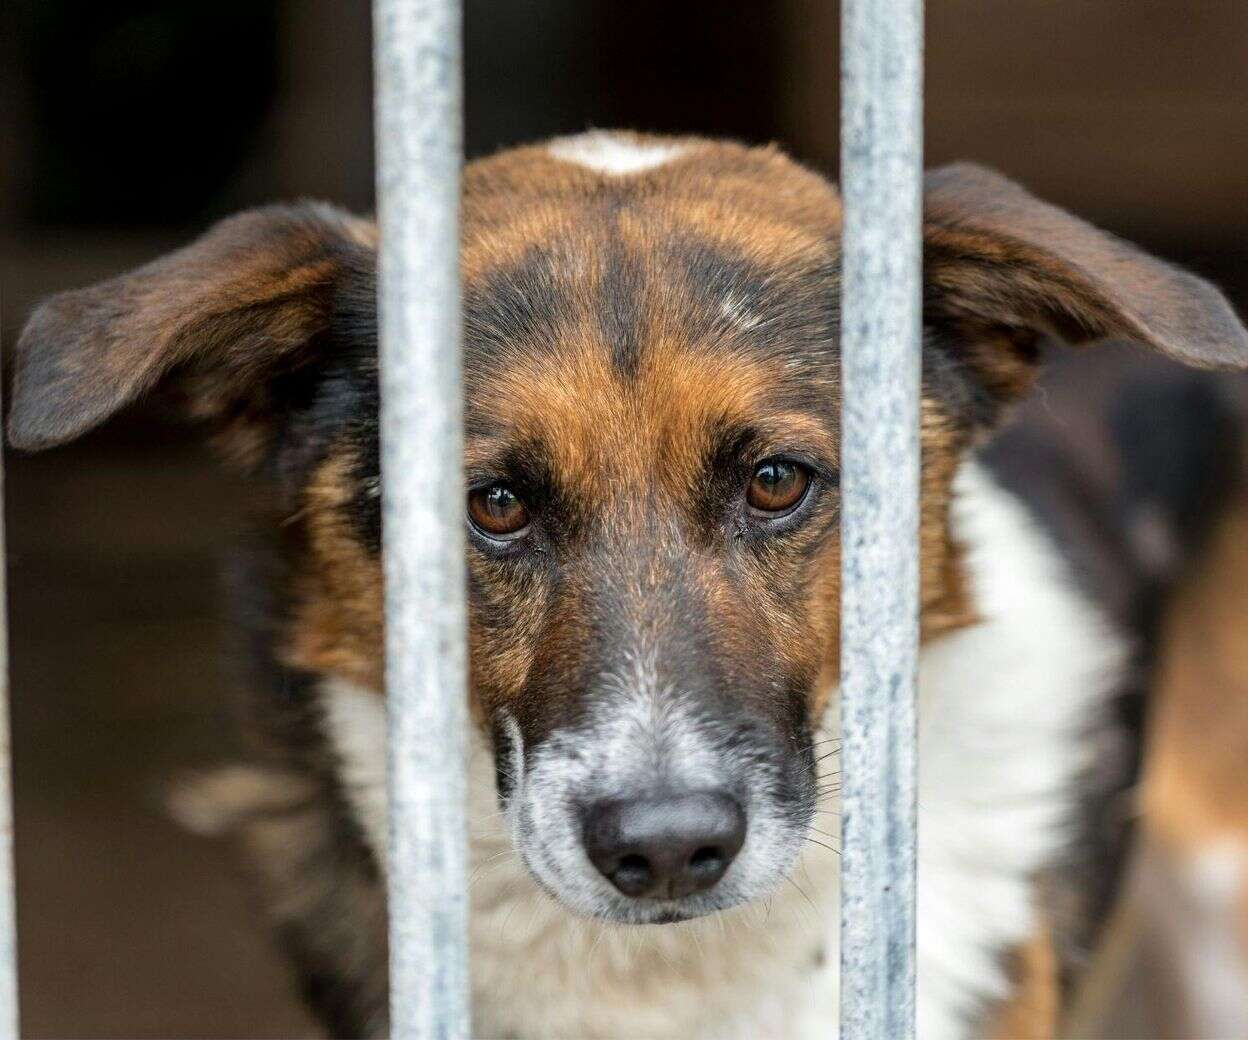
615,153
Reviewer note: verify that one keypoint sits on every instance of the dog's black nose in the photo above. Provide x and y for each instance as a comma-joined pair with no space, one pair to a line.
665,847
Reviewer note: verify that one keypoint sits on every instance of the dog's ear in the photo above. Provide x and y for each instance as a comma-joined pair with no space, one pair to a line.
1002,269
244,305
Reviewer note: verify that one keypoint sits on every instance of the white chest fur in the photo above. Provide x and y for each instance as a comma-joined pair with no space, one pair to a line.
1002,709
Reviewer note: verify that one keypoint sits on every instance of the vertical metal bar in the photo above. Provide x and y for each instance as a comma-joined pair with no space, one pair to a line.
881,184
9,1021
419,135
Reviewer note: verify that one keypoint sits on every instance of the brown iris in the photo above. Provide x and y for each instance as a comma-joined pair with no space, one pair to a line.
777,486
497,511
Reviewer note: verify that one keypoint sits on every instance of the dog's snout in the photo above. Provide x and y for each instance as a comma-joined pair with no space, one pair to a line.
665,846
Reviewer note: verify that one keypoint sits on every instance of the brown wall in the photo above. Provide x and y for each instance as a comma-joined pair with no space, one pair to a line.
1133,112
1129,111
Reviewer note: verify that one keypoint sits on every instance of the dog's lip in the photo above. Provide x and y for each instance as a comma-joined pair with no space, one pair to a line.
673,917
648,912
622,910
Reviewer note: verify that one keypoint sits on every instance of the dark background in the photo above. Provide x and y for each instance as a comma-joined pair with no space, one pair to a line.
129,125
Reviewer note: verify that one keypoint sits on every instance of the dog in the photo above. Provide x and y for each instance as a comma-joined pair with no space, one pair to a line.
651,369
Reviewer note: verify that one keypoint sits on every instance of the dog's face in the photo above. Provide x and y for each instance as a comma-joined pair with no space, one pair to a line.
652,398
652,462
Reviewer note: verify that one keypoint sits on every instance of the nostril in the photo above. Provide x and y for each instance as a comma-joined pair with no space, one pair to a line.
633,875
634,864
706,856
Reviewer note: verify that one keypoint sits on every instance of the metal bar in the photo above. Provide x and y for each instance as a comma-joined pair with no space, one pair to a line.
9,1021
881,184
419,149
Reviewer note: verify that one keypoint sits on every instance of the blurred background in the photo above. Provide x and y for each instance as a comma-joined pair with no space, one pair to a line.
127,126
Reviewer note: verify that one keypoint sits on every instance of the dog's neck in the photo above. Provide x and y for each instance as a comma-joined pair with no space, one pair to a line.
1003,708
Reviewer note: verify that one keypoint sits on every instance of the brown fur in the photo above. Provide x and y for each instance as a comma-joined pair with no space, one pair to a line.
606,434
1002,257
234,308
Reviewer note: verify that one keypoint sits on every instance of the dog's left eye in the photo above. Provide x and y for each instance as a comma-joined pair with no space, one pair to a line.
777,486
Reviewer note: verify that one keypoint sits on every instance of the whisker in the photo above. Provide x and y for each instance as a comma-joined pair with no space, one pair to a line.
816,841
490,859
482,872
817,743
803,894
502,925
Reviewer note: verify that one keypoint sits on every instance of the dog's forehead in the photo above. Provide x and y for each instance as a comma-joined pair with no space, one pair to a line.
758,197
620,315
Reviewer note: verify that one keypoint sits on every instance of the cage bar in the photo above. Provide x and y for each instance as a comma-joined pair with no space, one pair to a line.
417,58
881,328
9,1023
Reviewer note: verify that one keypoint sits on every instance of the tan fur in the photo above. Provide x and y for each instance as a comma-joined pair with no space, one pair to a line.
1031,1013
1193,793
1194,789
337,627
1177,950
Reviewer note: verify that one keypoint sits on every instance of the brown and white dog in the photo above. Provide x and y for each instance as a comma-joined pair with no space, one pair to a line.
652,396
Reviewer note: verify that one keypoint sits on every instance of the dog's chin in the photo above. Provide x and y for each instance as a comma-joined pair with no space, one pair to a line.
622,910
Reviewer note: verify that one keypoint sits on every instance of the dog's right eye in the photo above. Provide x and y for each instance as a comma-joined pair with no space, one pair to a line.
496,511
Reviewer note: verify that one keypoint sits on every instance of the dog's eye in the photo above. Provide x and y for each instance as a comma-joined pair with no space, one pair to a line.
496,511
777,486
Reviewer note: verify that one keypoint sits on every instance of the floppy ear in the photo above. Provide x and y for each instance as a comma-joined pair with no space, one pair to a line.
1002,268
241,306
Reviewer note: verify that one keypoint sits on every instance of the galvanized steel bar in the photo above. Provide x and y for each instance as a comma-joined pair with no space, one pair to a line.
881,184
8,899
419,147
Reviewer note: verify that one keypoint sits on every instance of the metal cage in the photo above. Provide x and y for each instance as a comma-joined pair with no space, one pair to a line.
419,114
